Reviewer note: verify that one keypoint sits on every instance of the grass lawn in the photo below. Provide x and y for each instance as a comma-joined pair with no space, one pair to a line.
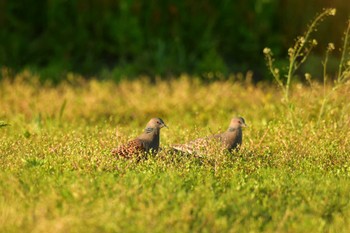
292,173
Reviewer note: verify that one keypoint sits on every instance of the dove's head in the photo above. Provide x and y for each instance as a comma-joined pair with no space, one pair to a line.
156,123
237,123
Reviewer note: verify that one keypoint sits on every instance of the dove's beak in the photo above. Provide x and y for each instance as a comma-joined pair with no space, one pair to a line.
244,125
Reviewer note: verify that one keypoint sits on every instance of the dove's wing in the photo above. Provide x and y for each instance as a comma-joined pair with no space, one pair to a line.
195,146
129,149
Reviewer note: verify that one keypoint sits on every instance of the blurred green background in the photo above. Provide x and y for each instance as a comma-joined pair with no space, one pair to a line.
116,39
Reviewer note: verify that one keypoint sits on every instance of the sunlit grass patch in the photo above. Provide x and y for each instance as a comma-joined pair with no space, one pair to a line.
57,172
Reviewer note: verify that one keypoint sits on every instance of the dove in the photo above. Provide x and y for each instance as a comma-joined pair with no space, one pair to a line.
147,142
229,140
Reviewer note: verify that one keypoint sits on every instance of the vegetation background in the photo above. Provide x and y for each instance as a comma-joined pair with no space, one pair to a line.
115,39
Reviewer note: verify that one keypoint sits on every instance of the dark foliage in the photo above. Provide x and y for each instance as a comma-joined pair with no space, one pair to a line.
130,37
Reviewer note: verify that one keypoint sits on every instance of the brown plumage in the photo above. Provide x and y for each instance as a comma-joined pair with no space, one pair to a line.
229,140
147,142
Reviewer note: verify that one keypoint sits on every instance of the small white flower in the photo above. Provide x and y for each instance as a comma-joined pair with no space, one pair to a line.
330,47
267,51
332,11
308,76
290,52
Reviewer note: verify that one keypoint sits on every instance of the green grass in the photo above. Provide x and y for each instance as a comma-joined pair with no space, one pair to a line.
57,175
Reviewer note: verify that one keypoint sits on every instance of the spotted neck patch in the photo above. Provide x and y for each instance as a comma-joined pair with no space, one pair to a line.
149,130
231,129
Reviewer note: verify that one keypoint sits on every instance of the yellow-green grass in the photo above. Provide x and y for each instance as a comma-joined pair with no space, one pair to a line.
57,174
